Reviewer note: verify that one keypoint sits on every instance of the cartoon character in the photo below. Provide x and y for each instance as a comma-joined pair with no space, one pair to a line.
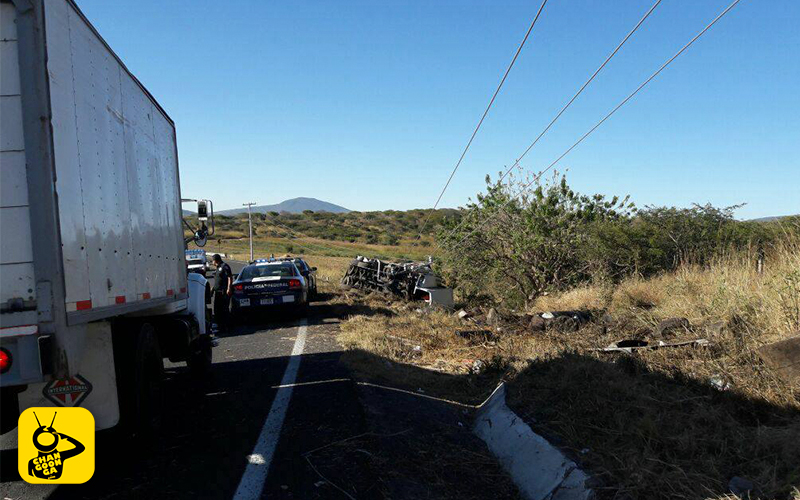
49,464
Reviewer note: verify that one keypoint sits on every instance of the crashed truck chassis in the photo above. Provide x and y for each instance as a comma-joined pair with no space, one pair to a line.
409,280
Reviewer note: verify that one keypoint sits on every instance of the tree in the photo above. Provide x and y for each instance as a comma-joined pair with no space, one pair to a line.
514,248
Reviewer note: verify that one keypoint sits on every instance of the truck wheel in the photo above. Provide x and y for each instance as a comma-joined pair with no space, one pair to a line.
140,380
199,359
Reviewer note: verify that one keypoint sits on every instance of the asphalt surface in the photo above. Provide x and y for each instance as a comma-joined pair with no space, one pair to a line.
239,433
213,425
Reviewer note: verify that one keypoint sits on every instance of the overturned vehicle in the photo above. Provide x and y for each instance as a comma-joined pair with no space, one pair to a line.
410,280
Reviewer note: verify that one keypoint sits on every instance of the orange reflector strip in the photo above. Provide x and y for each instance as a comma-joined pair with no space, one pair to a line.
82,305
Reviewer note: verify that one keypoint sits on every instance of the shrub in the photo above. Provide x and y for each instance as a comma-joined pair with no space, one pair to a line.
516,248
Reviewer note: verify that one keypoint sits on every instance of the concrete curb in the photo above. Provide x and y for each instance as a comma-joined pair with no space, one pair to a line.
540,470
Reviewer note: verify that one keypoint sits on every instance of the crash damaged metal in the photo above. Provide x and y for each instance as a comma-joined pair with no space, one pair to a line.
409,280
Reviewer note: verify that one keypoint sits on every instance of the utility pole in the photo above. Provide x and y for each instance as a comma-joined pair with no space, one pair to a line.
250,223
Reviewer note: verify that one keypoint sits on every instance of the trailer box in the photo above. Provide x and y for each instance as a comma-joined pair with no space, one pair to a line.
90,203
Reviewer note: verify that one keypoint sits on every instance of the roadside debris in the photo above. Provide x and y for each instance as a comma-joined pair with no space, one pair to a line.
566,321
715,329
477,336
491,316
719,383
410,280
630,345
671,326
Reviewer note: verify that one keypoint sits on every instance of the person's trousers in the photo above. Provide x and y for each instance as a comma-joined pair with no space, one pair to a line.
221,310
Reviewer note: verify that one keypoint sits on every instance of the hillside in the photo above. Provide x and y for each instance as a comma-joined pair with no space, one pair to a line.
389,234
774,218
389,227
293,206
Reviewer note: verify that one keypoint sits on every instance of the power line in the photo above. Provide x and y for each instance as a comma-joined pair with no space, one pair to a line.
578,93
614,110
632,94
569,103
483,117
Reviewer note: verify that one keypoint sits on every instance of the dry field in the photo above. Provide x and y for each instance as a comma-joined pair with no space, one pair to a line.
669,423
315,247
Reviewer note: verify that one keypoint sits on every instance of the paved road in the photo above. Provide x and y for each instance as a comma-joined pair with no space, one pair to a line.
215,425
280,417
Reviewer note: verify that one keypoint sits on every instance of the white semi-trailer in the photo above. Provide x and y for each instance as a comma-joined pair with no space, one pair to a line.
94,291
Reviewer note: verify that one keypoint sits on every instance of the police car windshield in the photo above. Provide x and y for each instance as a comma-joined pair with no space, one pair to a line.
283,270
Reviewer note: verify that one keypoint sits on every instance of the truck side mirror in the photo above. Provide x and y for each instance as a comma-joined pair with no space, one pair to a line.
202,210
201,236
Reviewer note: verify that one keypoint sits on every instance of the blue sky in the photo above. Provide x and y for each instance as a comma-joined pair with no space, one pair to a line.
368,104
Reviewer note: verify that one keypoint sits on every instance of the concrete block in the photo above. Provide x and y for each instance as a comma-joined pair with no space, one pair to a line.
540,470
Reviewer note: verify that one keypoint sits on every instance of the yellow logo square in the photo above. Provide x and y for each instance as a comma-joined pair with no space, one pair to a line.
56,445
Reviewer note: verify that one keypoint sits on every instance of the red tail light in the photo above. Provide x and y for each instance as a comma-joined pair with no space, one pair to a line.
295,284
5,360
238,288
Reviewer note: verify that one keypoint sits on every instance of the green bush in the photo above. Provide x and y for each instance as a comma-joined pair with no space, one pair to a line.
517,247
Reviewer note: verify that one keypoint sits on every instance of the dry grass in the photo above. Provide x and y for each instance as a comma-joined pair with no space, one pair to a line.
654,425
592,297
729,290
239,247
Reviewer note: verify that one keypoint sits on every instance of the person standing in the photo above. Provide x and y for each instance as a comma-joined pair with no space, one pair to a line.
223,282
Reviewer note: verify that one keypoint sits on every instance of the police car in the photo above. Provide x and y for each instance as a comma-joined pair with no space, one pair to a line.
269,283
308,272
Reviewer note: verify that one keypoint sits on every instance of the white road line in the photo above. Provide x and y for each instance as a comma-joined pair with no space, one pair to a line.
255,475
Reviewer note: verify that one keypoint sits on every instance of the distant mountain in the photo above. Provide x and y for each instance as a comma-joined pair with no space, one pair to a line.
773,218
293,206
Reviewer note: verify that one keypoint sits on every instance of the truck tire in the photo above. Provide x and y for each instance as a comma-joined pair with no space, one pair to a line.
199,359
140,379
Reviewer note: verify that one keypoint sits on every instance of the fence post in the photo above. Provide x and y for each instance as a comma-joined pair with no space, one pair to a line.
760,260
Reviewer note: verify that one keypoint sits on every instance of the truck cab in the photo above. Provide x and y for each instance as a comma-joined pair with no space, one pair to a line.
197,262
